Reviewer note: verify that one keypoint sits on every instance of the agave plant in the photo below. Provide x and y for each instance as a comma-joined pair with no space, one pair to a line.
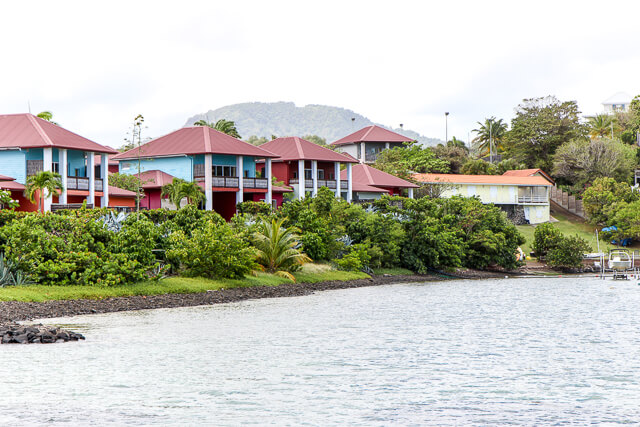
114,222
277,248
10,274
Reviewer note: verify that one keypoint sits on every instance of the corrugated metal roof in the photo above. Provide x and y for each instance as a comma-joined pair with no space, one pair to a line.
121,192
368,175
11,185
529,172
29,131
155,179
294,148
195,140
618,98
97,159
372,133
6,178
438,178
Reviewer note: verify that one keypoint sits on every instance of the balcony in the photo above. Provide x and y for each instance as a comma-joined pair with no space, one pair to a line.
329,183
532,199
81,183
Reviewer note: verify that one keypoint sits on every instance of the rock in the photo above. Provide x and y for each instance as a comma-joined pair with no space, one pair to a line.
47,338
21,339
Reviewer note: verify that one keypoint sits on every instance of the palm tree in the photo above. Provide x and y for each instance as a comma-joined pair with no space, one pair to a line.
602,125
276,248
180,189
44,181
222,125
490,134
46,115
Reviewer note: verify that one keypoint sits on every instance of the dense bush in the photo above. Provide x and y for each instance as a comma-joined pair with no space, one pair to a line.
568,252
601,199
213,251
545,238
356,257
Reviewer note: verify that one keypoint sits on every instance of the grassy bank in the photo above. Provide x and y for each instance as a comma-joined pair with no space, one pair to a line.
569,228
173,285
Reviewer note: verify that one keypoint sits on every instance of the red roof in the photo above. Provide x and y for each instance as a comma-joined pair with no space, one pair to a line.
29,131
294,148
195,140
6,178
155,179
369,176
279,189
436,178
529,172
97,159
121,192
11,185
372,133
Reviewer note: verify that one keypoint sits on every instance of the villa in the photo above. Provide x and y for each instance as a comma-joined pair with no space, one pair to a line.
319,166
370,183
29,145
367,143
224,166
522,197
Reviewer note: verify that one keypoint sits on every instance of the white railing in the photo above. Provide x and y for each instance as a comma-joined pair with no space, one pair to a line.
533,199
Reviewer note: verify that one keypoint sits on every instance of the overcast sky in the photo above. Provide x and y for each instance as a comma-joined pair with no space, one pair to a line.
96,65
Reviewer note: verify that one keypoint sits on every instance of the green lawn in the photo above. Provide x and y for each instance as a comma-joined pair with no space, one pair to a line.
171,285
567,227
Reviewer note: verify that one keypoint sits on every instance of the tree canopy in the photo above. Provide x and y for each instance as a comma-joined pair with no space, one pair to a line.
410,158
490,135
222,125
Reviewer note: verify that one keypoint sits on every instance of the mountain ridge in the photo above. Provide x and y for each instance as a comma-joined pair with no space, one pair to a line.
264,119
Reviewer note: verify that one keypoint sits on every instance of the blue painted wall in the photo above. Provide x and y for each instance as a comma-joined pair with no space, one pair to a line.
180,167
13,163
75,160
34,154
249,165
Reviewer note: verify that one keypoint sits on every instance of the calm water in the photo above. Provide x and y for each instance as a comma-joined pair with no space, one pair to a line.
523,351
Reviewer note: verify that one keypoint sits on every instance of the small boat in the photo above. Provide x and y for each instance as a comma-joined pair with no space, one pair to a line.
619,260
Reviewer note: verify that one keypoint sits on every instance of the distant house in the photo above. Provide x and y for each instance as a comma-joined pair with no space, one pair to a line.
522,197
368,142
224,166
370,183
618,102
319,167
29,145
530,172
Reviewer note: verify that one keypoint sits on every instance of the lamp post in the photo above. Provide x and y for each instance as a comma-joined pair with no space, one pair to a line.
446,127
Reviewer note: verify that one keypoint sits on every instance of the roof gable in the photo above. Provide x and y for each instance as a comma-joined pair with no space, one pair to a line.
195,140
372,133
368,175
29,131
529,172
294,148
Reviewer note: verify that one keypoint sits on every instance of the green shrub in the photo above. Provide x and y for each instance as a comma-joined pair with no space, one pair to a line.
568,252
355,259
254,208
212,251
545,238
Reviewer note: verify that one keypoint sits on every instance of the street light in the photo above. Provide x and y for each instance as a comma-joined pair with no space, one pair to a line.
446,127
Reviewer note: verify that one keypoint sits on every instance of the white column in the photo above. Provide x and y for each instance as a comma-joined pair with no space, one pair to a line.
301,181
267,172
411,193
314,177
349,183
91,173
362,150
63,168
47,160
104,176
386,145
208,182
336,173
240,193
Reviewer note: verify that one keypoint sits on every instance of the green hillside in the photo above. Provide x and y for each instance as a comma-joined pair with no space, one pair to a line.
285,119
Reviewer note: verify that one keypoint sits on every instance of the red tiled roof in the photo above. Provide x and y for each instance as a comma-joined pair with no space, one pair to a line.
11,185
121,192
29,131
370,176
436,178
6,178
529,172
360,187
155,179
279,189
294,148
195,140
372,133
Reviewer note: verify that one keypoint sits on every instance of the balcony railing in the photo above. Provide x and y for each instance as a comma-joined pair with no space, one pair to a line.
533,199
82,183
255,183
329,183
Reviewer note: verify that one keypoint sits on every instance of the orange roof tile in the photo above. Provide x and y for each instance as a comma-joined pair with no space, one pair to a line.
437,178
529,172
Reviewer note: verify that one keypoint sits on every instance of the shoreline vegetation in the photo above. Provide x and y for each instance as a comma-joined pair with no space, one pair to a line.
40,302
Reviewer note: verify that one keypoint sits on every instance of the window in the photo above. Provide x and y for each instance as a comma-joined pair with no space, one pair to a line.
245,174
55,167
295,174
229,171
308,174
320,174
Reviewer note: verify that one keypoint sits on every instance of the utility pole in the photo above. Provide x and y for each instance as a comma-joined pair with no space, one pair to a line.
490,142
446,127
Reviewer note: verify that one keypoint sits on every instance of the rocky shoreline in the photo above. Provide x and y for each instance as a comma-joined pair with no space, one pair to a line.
16,311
